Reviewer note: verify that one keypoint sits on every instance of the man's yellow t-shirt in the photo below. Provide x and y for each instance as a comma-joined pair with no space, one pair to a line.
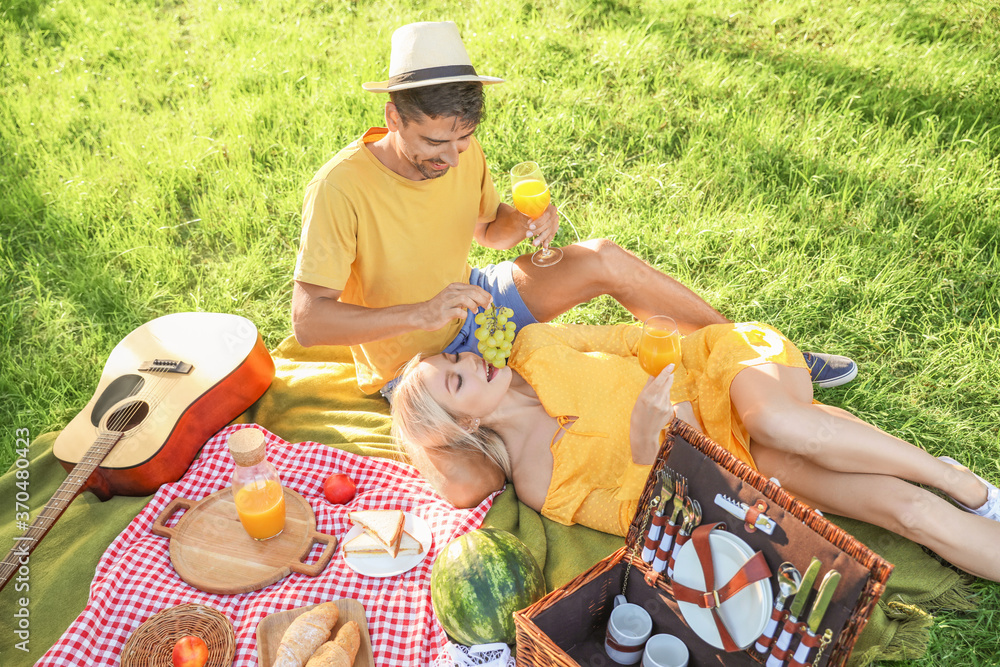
385,240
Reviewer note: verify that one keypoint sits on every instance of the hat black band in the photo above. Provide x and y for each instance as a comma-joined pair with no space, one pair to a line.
443,72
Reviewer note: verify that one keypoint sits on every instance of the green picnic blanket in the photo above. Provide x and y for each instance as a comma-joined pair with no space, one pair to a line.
314,397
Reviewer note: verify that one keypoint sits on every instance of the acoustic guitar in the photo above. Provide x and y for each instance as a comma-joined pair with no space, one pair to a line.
165,390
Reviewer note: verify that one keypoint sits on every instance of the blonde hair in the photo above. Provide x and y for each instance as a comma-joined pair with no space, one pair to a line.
418,421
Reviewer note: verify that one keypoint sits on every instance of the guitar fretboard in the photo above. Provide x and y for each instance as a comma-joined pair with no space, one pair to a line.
60,500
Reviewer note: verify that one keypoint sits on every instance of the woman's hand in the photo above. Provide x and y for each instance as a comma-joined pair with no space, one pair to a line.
652,411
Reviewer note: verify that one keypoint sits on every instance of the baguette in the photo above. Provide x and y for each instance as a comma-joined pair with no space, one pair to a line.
305,635
341,651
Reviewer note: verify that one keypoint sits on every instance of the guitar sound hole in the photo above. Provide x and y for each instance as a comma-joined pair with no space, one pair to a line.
120,389
128,416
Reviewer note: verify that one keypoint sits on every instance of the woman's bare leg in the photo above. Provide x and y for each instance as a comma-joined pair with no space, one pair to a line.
968,541
775,404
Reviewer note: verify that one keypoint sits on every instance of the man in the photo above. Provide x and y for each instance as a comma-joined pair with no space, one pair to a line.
389,221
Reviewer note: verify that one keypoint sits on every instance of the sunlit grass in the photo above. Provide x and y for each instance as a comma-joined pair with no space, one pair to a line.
829,168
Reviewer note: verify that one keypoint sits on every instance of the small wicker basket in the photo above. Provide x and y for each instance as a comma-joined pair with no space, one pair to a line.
153,642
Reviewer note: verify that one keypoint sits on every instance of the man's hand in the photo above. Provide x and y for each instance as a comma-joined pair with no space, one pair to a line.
511,227
451,303
319,317
543,228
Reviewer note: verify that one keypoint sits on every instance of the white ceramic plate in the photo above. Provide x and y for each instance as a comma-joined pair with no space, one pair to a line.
386,566
746,613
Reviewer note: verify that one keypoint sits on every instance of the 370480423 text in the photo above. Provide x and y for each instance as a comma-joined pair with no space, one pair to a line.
22,513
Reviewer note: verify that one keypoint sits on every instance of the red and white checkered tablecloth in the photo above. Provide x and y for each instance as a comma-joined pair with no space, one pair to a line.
135,580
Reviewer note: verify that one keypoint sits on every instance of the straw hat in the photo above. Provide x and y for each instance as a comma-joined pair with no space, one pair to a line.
426,54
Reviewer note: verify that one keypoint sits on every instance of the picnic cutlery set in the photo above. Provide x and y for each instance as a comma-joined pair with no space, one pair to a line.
725,562
668,530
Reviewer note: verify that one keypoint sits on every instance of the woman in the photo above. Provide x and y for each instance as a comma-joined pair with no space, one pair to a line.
574,423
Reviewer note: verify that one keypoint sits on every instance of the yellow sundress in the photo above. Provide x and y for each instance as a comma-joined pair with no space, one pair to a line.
588,378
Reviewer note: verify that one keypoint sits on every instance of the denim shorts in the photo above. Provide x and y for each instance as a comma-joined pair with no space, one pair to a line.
498,280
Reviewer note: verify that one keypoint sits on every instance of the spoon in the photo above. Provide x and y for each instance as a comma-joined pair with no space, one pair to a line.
789,580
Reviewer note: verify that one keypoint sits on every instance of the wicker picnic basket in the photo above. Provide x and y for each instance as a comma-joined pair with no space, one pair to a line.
546,636
152,643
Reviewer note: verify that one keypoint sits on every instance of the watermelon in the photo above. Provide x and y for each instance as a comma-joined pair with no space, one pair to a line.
477,583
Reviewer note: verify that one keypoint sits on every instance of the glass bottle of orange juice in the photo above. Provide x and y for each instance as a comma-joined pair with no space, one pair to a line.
260,501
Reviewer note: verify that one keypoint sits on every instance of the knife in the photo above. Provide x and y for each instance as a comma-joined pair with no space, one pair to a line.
826,590
780,649
739,510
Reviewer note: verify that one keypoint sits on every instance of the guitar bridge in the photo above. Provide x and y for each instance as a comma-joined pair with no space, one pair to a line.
165,366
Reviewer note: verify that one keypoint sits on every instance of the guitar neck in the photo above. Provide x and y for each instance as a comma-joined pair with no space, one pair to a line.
64,495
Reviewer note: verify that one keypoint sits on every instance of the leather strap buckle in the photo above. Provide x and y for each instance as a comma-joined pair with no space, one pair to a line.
753,513
710,600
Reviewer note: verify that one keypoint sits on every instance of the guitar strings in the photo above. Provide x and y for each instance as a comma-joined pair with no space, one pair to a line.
50,513
157,390
117,422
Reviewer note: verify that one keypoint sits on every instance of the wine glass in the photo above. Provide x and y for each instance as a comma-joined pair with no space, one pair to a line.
531,197
660,344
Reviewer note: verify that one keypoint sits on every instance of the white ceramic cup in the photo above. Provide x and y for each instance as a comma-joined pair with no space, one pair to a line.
665,651
628,629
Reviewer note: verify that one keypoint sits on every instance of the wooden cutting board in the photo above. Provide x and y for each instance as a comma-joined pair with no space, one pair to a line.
210,550
271,629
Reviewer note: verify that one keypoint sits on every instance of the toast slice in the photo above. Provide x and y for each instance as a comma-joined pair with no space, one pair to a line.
385,526
366,546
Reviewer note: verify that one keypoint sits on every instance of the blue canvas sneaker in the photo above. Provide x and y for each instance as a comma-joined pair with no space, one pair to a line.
830,370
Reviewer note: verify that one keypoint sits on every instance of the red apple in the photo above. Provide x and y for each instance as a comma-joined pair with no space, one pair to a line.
339,488
190,651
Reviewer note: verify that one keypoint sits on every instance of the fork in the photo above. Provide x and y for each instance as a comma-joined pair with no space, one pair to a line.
692,519
663,551
667,477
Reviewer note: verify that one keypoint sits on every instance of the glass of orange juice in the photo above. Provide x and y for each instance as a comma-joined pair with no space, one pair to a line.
660,344
531,197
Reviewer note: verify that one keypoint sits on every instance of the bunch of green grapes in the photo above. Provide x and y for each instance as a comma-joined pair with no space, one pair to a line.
495,334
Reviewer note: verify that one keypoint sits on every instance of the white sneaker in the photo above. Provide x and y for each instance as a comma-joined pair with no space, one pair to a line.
991,508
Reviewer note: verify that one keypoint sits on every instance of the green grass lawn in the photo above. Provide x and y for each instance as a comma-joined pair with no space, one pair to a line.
830,168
